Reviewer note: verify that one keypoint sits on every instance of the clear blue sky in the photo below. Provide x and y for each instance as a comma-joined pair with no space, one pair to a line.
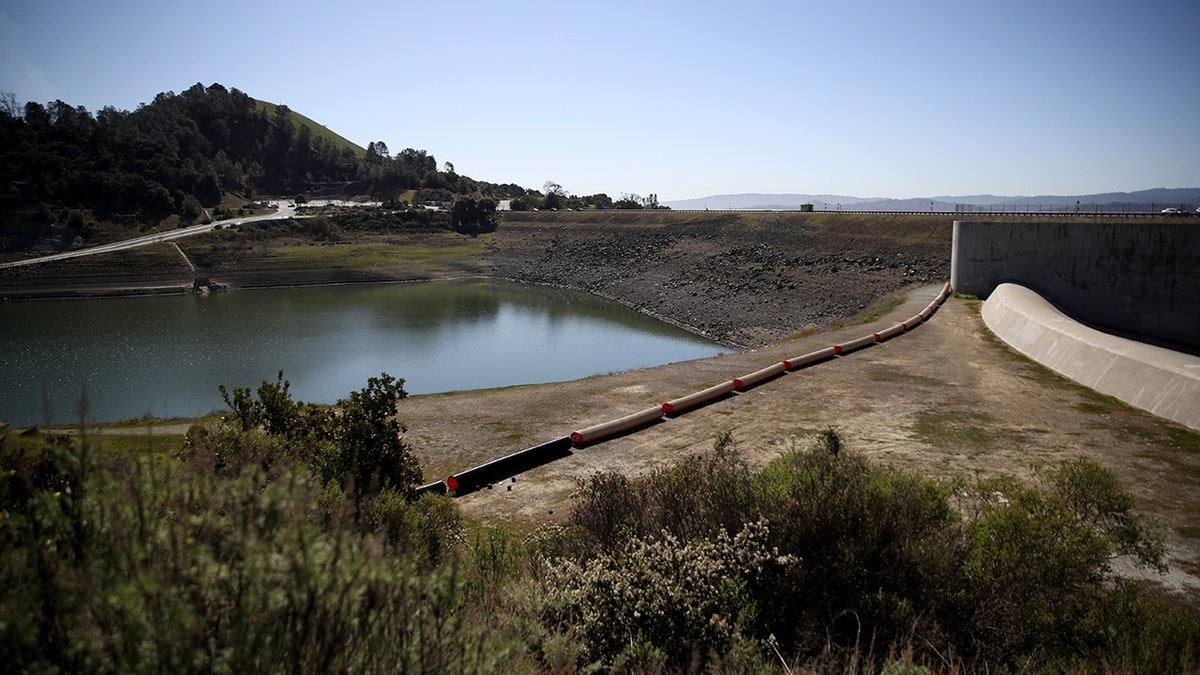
683,99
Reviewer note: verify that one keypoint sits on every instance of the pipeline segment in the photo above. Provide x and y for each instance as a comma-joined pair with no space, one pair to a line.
943,295
508,466
759,375
811,357
703,396
594,433
854,345
437,487
889,332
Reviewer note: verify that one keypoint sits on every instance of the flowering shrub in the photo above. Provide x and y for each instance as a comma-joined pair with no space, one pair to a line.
681,599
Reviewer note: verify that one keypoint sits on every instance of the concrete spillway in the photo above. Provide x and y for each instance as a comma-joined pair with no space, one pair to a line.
1162,381
1140,279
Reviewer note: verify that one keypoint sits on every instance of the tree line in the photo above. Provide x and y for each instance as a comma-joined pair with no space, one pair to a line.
182,153
555,197
176,155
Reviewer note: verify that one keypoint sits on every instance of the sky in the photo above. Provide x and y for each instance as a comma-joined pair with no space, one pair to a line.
684,99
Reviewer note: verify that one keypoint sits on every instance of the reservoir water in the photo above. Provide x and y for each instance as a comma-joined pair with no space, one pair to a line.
165,356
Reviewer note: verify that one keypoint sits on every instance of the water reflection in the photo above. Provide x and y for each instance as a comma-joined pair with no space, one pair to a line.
165,356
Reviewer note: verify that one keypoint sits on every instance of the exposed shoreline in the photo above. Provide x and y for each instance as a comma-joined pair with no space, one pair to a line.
743,281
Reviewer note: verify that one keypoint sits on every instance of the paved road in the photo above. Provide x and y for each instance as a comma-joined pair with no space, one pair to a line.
285,211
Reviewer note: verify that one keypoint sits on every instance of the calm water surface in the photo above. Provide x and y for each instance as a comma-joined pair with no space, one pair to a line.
165,356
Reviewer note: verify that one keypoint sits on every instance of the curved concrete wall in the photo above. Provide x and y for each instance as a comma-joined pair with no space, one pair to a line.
1135,278
1162,381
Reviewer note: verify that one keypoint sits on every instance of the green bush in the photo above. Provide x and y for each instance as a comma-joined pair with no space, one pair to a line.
321,228
159,569
690,500
1039,559
679,601
877,545
383,220
355,446
429,527
31,463
995,574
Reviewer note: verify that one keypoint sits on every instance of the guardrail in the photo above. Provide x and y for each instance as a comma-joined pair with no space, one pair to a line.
524,460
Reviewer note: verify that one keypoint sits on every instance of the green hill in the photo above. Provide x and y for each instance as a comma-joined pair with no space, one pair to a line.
62,166
317,130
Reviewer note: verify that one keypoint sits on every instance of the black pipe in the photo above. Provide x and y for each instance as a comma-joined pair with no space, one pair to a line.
509,466
437,487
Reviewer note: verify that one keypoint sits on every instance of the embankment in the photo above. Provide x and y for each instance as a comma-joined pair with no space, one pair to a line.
742,279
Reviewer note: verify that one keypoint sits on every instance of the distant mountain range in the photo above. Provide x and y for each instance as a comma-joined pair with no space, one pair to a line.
1143,200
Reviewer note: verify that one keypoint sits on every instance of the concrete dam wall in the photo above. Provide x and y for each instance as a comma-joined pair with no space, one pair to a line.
1044,281
1138,279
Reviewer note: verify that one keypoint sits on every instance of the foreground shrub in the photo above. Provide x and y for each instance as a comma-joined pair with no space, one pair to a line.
1039,559
690,500
995,574
428,527
30,462
833,564
355,446
685,602
161,570
880,548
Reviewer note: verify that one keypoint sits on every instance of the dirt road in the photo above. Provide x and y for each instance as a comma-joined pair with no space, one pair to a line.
146,240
